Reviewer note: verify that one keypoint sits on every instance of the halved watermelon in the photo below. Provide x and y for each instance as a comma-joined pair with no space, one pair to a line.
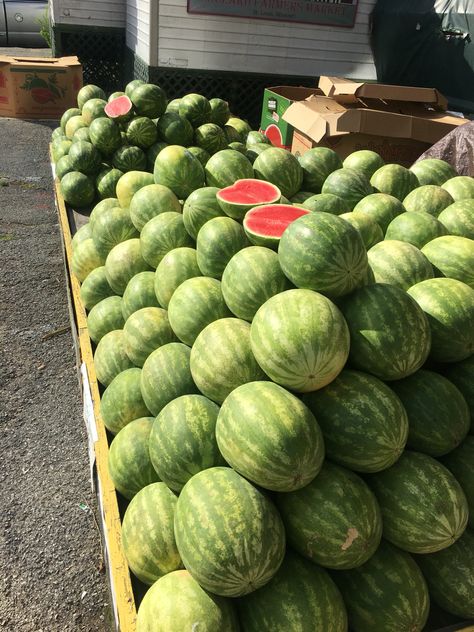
119,109
264,225
245,194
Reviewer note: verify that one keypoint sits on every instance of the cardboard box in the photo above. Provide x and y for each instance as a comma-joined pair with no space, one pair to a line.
38,87
397,122
276,101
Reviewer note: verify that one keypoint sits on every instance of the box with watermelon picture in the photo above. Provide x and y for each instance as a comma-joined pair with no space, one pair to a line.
276,101
38,87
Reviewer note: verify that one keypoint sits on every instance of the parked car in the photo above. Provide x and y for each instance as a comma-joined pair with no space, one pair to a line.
20,23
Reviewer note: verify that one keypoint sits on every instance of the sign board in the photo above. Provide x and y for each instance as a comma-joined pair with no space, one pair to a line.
326,12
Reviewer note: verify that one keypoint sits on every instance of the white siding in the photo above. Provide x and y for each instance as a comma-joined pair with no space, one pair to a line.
105,13
139,27
239,44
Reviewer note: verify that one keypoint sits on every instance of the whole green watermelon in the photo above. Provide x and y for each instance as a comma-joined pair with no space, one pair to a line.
281,168
112,228
386,593
301,596
428,198
334,521
368,228
144,331
106,182
416,228
235,555
139,293
460,187
151,200
350,185
177,266
394,180
423,506
269,436
100,208
196,303
300,340
433,171
77,189
174,129
390,334
84,157
85,258
166,375
110,357
141,132
459,462
161,234
63,166
148,100
322,252
251,277
227,166
222,359
364,424
365,161
89,91
458,218
399,263
452,256
105,135
449,307
122,401
200,207
210,137
183,440
177,602
317,164
129,462
196,108
81,234
129,158
95,288
462,375
326,202
129,184
438,415
217,242
180,171
92,109
123,262
380,207
450,576
105,316
220,112
147,533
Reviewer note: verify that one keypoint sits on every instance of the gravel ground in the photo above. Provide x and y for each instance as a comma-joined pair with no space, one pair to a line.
50,552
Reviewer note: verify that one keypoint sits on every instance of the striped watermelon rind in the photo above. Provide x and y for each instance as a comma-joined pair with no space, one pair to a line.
95,288
450,576
399,263
364,424
322,252
105,316
222,358
123,262
200,207
217,242
269,436
147,533
177,266
161,234
387,593
251,277
110,357
349,184
438,415
380,207
176,601
428,198
458,218
301,596
334,521
453,257
146,330
449,307
281,168
461,374
460,463
433,171
150,201
423,506
129,462
415,228
395,180
196,303
229,535
139,293
183,440
460,187
122,401
390,334
166,375
300,339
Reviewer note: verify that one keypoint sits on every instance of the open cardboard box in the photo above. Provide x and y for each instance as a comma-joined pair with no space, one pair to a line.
397,122
38,87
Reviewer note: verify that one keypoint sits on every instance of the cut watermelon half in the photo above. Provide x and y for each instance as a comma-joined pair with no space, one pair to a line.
119,109
264,225
245,194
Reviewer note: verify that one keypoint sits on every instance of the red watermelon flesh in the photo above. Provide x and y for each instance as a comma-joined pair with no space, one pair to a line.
264,225
119,109
245,194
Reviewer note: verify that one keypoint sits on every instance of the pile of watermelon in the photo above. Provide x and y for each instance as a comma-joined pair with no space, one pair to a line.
286,351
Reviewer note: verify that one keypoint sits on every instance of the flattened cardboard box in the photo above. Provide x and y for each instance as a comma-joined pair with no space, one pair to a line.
353,117
38,87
